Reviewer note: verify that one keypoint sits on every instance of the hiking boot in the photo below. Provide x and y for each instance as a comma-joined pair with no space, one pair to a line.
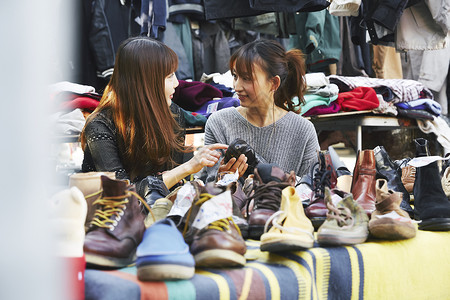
291,230
268,182
163,254
324,176
431,205
90,184
117,226
363,184
388,169
346,223
220,244
388,220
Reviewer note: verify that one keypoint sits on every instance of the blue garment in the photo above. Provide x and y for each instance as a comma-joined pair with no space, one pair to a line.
429,105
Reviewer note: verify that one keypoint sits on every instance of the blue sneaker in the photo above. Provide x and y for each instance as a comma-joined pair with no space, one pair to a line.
163,254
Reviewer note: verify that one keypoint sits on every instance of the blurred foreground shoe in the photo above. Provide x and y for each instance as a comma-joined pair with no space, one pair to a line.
163,254
389,221
363,184
291,230
324,176
67,216
117,226
431,205
386,167
346,223
268,182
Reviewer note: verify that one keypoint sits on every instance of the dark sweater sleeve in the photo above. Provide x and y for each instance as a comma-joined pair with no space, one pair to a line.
103,150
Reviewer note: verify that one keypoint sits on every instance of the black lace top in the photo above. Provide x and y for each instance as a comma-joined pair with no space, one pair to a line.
103,154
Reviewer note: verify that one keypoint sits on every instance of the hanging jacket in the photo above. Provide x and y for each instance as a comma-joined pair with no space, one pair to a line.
318,37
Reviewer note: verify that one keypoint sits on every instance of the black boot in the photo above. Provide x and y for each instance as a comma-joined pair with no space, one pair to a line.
386,167
431,206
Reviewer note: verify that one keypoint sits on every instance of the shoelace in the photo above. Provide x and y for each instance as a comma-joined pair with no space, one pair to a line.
202,199
224,225
110,206
270,191
320,180
274,219
341,215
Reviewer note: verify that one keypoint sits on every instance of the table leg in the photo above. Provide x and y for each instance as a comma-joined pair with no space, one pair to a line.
358,138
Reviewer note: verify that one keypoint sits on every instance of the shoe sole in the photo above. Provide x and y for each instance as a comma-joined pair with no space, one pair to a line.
101,261
164,272
219,258
282,244
435,224
392,231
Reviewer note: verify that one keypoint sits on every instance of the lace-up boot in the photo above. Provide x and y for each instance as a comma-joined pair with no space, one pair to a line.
220,244
388,169
346,223
363,184
268,182
324,176
291,230
388,220
117,226
431,206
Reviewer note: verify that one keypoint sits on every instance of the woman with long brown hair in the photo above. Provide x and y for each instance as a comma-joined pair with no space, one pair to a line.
134,132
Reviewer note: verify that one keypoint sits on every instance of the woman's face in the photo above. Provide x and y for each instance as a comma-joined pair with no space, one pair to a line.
170,83
256,92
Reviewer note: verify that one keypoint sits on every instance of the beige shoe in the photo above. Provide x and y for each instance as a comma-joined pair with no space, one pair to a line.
446,182
160,210
291,230
408,177
389,221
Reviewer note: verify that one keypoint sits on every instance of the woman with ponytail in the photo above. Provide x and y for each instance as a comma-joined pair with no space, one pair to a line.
268,81
134,131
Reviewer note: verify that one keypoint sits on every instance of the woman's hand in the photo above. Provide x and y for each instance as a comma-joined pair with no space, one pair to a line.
206,156
234,164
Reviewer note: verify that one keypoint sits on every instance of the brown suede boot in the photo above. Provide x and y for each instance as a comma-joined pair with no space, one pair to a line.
389,221
363,184
117,227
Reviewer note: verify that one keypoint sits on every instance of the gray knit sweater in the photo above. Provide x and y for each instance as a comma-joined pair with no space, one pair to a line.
291,143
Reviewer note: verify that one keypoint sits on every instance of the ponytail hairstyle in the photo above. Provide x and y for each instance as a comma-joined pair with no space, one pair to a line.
146,128
274,60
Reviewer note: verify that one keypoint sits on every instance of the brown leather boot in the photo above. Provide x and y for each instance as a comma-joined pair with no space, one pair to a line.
408,177
268,182
364,178
117,227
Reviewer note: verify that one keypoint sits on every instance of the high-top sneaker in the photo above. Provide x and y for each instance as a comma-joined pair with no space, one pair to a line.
268,182
117,226
346,223
388,220
363,184
324,176
431,206
387,168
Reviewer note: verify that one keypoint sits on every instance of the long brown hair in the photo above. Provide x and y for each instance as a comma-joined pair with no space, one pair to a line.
274,60
135,95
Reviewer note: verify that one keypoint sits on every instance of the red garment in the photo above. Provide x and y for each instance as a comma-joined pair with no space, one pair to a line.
360,98
81,103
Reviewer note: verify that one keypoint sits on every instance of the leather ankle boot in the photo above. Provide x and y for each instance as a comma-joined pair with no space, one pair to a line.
268,182
324,176
431,206
387,168
117,227
364,178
